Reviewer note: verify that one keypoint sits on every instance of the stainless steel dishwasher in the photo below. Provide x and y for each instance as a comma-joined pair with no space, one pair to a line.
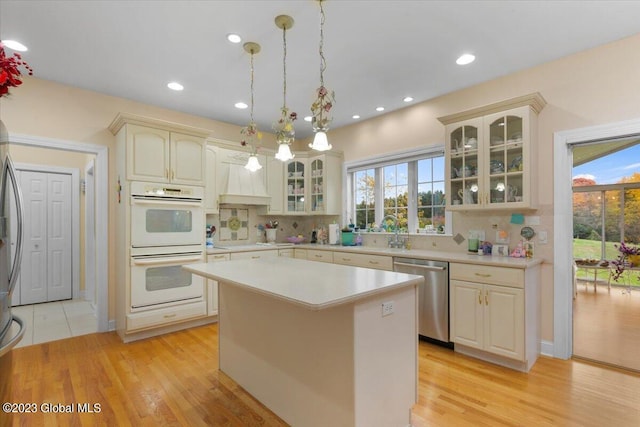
433,296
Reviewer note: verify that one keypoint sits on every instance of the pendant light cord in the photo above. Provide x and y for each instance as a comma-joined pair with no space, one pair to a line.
284,67
252,86
323,62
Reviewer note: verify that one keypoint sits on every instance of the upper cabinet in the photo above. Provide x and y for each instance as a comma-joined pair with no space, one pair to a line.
159,151
210,189
313,185
491,155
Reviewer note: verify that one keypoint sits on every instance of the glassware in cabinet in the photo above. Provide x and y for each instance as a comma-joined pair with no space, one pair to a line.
317,185
295,185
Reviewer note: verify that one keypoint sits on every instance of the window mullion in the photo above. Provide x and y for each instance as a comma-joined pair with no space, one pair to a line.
379,195
412,208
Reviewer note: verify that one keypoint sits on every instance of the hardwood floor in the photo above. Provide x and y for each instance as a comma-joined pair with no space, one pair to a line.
172,380
606,325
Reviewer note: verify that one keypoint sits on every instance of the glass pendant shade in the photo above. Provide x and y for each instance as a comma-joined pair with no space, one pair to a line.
284,153
253,164
320,142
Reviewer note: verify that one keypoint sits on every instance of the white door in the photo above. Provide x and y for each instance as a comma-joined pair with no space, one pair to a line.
58,237
46,259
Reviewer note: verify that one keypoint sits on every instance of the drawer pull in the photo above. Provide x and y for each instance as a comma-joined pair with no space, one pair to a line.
374,262
169,316
255,257
483,274
318,256
346,259
219,257
486,299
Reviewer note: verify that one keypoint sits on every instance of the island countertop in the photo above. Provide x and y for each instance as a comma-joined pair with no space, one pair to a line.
313,285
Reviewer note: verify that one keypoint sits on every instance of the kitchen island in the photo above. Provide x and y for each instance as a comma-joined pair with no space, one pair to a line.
319,344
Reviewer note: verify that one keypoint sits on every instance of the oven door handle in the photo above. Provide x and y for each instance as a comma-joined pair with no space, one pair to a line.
136,201
167,260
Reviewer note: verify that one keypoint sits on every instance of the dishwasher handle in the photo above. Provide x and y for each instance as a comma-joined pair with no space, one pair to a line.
420,266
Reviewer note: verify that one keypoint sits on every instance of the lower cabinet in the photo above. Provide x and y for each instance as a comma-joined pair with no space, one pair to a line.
163,316
212,286
493,312
300,253
287,253
379,262
322,256
254,254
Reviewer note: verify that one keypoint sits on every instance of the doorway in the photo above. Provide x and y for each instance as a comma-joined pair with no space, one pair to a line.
563,290
50,267
606,198
101,213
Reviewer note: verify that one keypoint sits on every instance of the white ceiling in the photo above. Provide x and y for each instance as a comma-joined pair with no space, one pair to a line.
377,51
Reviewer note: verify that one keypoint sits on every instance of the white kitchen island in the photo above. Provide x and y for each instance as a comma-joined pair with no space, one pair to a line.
309,340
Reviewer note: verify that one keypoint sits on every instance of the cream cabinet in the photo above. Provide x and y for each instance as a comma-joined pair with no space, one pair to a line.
313,185
320,255
287,252
491,156
160,151
254,254
212,286
379,262
210,187
493,313
300,253
275,186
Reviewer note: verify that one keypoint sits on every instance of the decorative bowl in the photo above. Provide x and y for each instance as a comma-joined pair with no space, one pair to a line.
295,239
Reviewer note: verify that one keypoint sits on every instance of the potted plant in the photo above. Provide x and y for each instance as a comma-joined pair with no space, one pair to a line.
628,256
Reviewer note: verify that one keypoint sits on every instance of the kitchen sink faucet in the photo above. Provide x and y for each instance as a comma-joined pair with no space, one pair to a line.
395,241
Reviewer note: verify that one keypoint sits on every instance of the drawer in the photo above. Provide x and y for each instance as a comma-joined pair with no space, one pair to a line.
379,262
217,257
166,316
287,253
254,254
502,276
322,256
300,253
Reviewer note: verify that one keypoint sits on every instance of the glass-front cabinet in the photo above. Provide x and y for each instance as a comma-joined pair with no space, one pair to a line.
295,186
316,186
490,157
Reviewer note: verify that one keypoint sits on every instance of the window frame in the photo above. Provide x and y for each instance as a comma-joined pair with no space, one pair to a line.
378,163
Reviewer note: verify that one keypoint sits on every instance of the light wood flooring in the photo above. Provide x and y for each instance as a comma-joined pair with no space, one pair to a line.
173,380
606,325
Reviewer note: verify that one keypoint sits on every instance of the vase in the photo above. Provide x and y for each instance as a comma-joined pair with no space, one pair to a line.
271,235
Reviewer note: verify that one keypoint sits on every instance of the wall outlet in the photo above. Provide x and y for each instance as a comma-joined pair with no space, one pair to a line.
542,237
387,308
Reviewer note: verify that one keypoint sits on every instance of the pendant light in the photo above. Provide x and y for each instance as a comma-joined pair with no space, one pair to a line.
251,133
324,100
285,133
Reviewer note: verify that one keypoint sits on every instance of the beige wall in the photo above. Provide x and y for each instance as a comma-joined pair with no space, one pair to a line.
593,87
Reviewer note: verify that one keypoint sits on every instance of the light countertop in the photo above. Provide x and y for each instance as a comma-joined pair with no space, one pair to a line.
461,257
313,285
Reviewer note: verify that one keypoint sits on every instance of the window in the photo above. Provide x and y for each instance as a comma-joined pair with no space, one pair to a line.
408,186
365,204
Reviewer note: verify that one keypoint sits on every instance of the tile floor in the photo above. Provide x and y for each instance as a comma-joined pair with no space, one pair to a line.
53,321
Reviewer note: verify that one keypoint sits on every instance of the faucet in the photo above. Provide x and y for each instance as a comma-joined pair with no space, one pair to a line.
395,241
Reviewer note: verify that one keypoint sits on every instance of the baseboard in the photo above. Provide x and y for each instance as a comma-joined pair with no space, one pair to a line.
546,348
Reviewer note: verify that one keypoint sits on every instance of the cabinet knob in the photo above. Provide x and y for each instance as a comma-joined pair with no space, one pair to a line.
479,297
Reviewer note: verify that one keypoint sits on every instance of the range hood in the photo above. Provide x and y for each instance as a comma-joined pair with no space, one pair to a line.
244,187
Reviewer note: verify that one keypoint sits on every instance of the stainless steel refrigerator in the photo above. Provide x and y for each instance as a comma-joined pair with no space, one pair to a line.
11,327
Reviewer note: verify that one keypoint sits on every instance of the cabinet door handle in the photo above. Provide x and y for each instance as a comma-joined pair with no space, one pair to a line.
483,274
486,299
173,174
318,256
166,173
480,297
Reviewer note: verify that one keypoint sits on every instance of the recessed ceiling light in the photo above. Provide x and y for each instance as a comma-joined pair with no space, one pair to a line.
12,44
234,38
465,59
380,109
241,105
175,86
355,116
407,99
308,118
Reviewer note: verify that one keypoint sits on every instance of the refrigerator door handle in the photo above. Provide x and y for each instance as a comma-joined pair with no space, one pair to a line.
16,338
10,172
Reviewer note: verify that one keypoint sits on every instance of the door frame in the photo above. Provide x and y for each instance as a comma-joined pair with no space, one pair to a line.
101,175
89,233
563,143
75,215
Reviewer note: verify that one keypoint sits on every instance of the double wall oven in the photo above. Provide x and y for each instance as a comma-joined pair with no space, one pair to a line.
167,232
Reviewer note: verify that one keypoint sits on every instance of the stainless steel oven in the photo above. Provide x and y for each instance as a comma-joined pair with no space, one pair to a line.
157,277
166,215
